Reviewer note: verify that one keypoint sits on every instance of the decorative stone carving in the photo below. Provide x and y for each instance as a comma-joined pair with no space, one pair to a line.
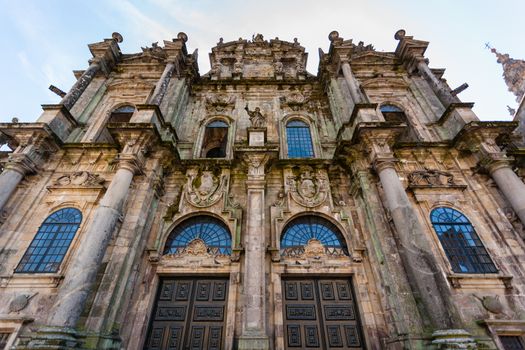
203,188
295,101
219,102
314,249
20,302
197,247
278,67
430,177
256,118
308,189
79,178
491,303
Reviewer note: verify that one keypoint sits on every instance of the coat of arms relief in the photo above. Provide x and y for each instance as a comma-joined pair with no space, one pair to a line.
308,187
204,187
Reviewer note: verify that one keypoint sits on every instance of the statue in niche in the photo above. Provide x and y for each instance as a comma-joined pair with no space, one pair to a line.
278,67
237,67
256,118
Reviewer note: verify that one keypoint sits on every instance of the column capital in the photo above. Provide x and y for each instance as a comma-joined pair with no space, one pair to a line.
130,162
21,163
381,163
256,163
495,161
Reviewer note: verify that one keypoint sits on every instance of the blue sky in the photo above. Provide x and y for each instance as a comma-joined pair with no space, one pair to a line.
44,41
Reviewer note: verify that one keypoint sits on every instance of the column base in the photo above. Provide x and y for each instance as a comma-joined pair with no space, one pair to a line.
453,339
64,338
253,341
51,338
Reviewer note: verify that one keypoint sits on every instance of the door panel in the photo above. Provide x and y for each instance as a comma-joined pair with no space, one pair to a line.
189,313
320,313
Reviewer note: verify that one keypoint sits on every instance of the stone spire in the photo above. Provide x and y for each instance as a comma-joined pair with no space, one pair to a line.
513,73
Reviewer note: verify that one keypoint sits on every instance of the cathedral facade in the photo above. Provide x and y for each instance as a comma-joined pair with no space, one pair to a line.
259,206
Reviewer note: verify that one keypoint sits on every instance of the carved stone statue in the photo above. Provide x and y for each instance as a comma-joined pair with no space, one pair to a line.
278,67
256,118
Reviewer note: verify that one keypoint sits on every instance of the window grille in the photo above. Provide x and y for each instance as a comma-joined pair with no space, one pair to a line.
299,231
48,248
213,232
299,140
462,245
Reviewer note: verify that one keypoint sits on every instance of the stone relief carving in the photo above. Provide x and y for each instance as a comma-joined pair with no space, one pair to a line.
195,254
204,187
491,303
219,102
257,119
278,67
20,302
197,247
430,177
313,249
295,101
309,189
79,178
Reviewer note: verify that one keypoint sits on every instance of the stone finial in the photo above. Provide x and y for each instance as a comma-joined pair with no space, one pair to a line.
117,37
400,34
182,36
334,35
513,73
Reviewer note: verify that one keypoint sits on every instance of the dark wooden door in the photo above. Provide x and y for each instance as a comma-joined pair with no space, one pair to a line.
189,313
320,313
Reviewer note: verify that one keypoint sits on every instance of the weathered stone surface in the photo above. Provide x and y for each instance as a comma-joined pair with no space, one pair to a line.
374,179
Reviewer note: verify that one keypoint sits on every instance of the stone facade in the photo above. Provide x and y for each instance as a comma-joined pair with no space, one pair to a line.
389,144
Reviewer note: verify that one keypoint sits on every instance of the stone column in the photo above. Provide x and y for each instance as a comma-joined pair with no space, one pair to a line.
25,159
81,84
254,284
427,282
511,185
9,180
442,91
162,84
351,81
82,272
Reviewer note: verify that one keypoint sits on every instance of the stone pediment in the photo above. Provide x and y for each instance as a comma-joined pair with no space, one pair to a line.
382,82
373,57
258,58
145,57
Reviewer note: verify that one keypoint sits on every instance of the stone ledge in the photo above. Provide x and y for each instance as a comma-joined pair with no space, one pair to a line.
480,281
31,280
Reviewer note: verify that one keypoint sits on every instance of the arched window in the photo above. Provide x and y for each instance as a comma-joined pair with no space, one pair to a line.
48,248
215,140
212,232
393,114
300,231
299,140
462,245
122,114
